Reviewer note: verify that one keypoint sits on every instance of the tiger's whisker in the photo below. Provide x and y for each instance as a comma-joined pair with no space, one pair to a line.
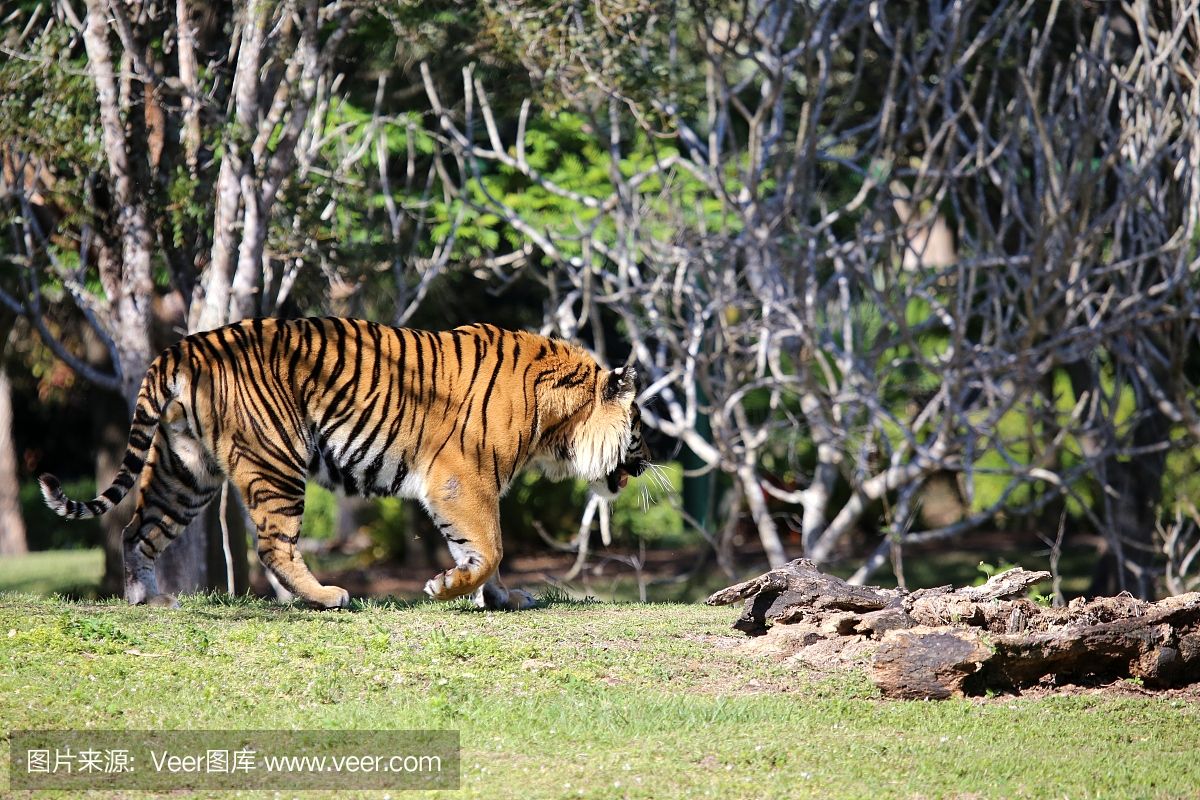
661,478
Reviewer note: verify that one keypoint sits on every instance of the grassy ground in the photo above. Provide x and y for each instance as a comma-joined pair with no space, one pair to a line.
74,573
573,700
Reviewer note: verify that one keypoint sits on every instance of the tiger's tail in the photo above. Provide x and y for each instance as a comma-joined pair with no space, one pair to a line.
152,397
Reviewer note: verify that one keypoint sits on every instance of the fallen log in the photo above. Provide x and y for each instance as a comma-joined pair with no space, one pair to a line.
946,642
787,594
929,663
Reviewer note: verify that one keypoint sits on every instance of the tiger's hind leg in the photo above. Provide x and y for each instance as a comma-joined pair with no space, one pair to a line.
275,503
176,483
493,595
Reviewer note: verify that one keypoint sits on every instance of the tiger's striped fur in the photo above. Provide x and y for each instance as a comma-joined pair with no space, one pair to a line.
448,418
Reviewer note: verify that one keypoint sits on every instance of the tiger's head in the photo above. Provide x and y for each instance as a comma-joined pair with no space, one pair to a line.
600,438
619,391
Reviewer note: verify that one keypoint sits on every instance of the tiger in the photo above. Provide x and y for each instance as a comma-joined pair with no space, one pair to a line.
448,418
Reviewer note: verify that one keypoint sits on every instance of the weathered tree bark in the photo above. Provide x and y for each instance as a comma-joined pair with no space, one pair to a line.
126,279
1156,642
928,663
944,642
125,270
789,593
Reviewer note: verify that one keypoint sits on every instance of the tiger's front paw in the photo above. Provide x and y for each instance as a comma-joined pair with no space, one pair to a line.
438,587
330,597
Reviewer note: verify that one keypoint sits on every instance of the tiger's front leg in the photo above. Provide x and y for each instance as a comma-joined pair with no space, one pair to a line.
470,523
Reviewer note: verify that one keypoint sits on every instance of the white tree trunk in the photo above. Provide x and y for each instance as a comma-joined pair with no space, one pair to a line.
132,281
767,532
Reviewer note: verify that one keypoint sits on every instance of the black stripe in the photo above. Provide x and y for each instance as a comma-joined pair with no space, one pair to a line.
572,380
377,342
364,416
417,342
332,407
402,372
282,445
487,395
401,474
457,346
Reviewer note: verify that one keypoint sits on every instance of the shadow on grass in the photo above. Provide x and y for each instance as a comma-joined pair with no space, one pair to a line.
552,597
217,605
78,593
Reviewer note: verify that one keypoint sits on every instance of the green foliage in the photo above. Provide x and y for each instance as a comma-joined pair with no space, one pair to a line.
386,520
48,104
645,511
320,513
187,206
533,501
390,526
566,151
1023,431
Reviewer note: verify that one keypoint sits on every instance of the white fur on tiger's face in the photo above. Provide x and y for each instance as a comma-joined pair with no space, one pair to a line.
448,418
604,460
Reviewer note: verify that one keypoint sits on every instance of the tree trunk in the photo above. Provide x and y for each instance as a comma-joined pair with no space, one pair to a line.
761,515
12,526
110,431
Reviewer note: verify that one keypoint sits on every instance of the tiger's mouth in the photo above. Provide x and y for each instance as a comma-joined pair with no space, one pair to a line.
620,476
617,479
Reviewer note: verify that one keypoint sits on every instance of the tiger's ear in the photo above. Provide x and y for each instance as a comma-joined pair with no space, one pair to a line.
622,383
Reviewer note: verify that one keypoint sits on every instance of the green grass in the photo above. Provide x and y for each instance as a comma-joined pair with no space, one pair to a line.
574,699
74,573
